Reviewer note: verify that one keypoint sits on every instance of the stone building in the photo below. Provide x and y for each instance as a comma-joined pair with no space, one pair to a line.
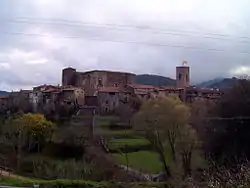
42,95
49,97
20,100
182,76
3,102
142,91
72,95
91,81
192,94
110,98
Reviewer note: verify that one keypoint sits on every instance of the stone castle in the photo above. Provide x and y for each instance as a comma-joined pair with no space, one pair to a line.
91,81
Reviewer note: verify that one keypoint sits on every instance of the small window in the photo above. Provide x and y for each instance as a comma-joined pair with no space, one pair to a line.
107,102
100,82
179,76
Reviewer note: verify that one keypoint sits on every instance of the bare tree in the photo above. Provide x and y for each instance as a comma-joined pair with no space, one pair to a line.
165,122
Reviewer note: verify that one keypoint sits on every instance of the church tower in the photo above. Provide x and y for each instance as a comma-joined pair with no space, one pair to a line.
182,75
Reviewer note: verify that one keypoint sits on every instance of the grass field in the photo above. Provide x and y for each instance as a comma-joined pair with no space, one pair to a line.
129,142
104,121
145,161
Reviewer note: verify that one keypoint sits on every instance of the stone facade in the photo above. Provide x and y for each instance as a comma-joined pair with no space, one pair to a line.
147,91
110,98
93,80
51,96
192,94
182,77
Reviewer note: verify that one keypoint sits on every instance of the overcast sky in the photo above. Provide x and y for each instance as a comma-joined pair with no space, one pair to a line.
40,37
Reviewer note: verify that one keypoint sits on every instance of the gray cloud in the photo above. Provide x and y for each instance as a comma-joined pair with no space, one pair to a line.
28,60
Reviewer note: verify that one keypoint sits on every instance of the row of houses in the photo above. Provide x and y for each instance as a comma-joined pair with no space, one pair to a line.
42,97
106,100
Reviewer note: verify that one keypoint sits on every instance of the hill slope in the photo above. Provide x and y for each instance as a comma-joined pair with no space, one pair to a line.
3,92
221,83
154,80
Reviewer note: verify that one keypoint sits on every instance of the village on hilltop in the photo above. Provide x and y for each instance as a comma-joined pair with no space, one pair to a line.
102,90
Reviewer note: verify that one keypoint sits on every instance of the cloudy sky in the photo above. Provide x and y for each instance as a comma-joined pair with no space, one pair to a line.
40,37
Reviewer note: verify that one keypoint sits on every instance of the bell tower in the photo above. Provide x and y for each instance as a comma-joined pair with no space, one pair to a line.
182,75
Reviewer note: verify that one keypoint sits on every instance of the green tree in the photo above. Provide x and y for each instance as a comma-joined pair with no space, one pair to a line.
165,122
37,128
227,137
27,131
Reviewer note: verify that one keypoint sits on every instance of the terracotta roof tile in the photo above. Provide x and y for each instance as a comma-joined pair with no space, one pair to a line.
139,86
170,88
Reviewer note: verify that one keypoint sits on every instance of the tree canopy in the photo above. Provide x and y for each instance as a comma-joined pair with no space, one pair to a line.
165,122
228,136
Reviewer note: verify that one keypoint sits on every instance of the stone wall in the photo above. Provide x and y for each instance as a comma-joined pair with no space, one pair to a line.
108,102
91,81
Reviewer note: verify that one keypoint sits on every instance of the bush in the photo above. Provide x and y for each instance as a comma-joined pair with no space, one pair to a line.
63,151
44,167
75,183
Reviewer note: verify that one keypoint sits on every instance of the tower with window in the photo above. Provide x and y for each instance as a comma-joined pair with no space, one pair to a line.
183,75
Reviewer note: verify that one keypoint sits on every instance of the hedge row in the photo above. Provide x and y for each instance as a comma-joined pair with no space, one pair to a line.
130,149
4,181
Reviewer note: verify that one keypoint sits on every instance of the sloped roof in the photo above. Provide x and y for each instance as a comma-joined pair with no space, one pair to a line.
139,86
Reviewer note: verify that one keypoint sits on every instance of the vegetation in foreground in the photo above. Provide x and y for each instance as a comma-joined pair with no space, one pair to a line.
64,183
163,135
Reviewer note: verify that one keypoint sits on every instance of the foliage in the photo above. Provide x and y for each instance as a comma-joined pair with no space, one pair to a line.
165,123
35,124
27,131
34,128
135,103
51,183
125,112
76,183
236,101
227,137
45,167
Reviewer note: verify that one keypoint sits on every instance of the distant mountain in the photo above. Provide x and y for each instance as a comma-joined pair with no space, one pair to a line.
221,83
154,80
3,92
